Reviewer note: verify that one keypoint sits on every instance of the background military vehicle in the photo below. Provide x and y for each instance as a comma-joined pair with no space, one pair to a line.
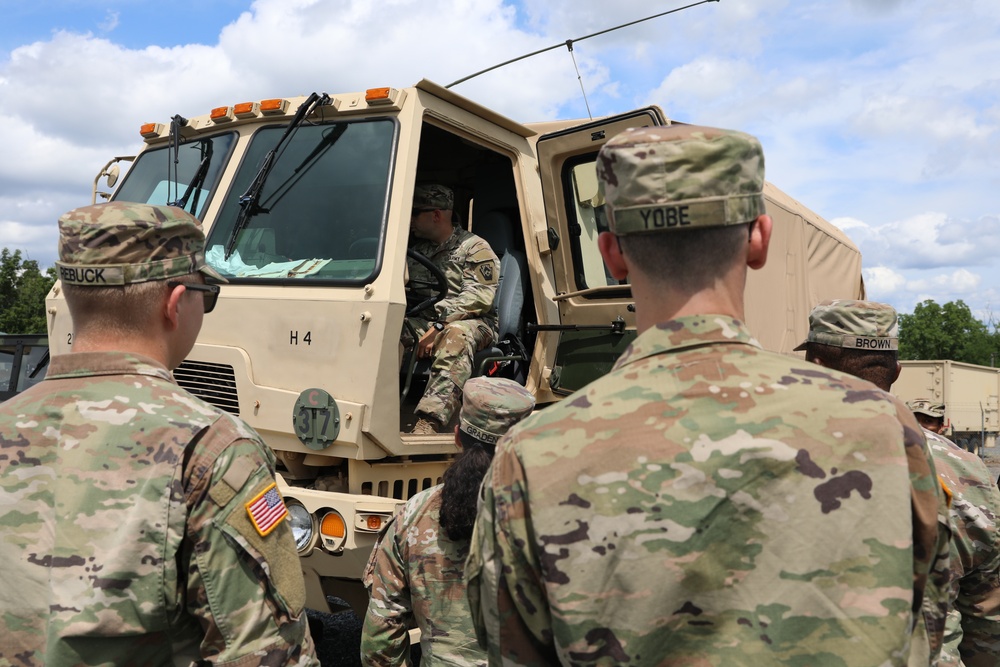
23,361
970,393
306,203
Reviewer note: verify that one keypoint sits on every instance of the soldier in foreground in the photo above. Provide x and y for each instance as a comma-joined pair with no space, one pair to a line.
415,572
706,502
140,525
462,323
860,338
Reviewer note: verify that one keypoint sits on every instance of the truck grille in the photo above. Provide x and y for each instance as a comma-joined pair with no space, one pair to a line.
212,383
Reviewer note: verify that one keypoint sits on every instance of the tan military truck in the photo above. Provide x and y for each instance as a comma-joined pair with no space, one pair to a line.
307,204
970,393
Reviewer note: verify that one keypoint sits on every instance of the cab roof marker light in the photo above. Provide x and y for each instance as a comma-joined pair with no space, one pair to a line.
246,109
151,130
380,95
221,114
273,107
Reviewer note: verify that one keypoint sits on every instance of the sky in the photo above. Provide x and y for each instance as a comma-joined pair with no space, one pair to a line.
883,116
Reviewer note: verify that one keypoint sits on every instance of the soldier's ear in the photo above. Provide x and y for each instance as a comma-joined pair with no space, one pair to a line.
760,239
171,307
611,251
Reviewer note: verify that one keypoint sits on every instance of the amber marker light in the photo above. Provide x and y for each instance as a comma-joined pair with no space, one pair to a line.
245,110
378,95
274,106
374,522
333,525
221,115
150,130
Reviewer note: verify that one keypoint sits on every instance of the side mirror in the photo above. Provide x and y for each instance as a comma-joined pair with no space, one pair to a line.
112,175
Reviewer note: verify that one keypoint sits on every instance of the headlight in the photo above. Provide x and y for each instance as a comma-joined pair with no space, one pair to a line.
302,525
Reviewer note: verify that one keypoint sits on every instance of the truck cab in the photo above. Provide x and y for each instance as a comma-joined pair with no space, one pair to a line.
308,218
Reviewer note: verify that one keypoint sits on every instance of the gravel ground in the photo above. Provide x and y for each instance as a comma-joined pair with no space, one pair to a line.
992,458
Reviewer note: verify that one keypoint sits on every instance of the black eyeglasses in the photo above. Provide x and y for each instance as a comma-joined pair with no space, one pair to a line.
210,292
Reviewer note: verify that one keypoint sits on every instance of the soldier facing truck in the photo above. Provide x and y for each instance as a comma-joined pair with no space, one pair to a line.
415,571
770,498
141,525
861,338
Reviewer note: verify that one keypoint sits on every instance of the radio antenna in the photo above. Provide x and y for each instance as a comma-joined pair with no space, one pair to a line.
569,42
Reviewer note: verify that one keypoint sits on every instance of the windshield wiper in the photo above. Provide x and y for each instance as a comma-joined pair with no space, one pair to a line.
197,181
176,123
250,200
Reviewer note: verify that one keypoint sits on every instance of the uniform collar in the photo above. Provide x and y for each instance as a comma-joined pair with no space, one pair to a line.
686,333
83,364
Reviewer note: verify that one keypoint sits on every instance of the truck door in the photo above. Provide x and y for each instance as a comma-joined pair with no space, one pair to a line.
597,316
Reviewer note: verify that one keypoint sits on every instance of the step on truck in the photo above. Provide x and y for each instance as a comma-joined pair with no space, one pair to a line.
306,203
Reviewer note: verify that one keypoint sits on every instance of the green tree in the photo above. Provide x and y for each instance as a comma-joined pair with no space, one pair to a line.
22,293
946,332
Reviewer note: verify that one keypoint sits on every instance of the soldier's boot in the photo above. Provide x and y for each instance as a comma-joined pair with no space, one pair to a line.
426,426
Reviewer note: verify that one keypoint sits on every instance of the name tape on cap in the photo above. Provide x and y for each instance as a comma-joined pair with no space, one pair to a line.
92,275
871,343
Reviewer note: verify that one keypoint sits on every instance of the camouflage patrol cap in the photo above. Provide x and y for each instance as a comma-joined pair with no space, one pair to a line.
926,406
119,243
857,325
670,177
433,196
490,406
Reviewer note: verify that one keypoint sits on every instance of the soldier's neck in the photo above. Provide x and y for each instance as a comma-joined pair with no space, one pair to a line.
147,347
654,304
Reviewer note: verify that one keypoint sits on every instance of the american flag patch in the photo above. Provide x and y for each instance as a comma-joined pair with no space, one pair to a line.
267,510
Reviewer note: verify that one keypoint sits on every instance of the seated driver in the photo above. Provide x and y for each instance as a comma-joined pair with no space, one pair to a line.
465,321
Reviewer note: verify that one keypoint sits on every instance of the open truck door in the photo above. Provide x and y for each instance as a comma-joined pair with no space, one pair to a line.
810,260
596,312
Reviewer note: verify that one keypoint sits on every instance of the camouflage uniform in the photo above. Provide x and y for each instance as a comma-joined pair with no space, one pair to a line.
972,631
133,532
707,502
472,271
870,327
415,572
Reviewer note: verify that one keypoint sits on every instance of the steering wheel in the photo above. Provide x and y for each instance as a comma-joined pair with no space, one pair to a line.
440,284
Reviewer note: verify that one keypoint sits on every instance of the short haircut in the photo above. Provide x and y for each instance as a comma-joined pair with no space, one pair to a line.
876,366
688,260
116,310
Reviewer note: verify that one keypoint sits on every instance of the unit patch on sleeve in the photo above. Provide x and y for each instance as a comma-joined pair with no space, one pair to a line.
487,272
267,510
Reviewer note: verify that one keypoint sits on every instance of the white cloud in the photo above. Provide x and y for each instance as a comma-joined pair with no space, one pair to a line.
881,282
927,241
883,115
110,21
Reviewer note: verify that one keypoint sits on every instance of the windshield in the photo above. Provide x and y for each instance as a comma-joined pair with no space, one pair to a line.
321,211
199,163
